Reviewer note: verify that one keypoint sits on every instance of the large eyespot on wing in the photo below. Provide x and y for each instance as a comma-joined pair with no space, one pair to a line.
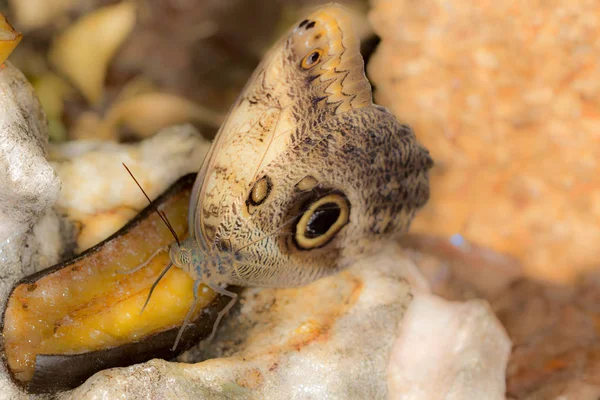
321,221
329,49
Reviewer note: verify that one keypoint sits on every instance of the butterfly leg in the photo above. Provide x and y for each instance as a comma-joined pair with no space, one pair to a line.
225,310
188,316
220,315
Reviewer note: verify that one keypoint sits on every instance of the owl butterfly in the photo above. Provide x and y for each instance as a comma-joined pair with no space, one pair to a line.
305,172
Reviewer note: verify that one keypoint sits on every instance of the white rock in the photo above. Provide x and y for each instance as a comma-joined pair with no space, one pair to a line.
342,337
330,339
449,350
31,236
98,193
95,179
29,184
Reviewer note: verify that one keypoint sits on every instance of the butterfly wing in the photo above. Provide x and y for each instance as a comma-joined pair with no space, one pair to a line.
311,75
355,182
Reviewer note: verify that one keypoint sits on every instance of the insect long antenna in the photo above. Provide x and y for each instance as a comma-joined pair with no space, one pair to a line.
169,226
160,214
164,271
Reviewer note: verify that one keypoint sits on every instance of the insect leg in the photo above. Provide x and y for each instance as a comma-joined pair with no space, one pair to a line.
188,316
224,311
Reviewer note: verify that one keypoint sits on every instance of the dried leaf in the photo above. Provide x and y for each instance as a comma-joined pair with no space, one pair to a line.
84,50
146,114
135,87
52,90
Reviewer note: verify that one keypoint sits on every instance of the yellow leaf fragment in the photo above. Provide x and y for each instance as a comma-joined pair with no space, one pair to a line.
51,91
84,50
137,86
146,114
9,39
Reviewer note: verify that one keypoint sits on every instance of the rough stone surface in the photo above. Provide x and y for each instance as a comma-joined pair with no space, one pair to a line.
31,234
101,196
29,184
506,96
553,327
449,350
556,337
330,339
345,336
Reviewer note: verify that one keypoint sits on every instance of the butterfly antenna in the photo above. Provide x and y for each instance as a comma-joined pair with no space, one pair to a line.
164,271
160,214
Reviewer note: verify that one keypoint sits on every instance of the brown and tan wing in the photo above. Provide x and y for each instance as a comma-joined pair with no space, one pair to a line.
312,74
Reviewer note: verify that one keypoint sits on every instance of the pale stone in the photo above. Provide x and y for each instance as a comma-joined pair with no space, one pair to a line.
100,196
29,184
509,108
31,236
348,336
449,350
330,339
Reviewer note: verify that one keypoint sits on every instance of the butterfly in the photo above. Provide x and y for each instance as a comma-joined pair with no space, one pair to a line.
305,173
